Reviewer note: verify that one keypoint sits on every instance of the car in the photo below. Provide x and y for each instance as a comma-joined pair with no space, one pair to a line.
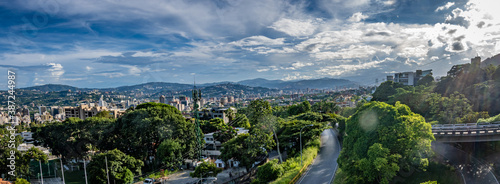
148,181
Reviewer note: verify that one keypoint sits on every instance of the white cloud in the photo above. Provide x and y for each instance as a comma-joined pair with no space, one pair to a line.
257,41
356,17
296,27
445,7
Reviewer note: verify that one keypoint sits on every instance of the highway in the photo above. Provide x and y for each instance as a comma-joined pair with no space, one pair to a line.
322,170
471,169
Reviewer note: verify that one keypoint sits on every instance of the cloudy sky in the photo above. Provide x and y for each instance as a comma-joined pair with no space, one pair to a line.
108,43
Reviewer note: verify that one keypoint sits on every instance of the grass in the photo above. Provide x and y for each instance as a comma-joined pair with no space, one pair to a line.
435,172
292,165
74,177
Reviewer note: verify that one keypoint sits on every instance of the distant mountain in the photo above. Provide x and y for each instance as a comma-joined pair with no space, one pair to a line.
54,88
495,60
151,87
323,83
232,89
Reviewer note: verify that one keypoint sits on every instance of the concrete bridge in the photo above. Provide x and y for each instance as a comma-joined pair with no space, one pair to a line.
470,132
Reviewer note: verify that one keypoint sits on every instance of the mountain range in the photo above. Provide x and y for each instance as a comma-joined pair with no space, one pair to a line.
155,87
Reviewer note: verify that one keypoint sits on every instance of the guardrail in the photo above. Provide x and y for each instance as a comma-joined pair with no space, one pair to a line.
469,129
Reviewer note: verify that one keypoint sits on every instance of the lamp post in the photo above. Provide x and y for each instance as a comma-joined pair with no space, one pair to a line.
301,142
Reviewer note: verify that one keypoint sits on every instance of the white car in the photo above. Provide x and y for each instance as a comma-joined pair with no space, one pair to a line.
148,181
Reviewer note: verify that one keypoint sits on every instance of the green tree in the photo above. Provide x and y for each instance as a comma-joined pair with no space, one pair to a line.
496,76
205,169
270,171
61,137
241,120
21,181
121,167
225,133
380,165
289,134
426,80
170,153
140,132
211,125
386,89
403,133
246,148
325,107
257,109
104,114
299,108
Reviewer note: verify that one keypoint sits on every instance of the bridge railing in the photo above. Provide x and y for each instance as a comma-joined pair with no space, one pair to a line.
469,129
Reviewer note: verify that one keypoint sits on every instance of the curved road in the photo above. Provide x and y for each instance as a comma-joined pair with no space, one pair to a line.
323,168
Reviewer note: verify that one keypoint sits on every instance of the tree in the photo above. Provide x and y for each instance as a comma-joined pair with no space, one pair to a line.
121,167
496,76
211,125
246,148
386,89
269,171
325,107
140,132
299,108
380,165
225,133
426,80
60,137
257,109
377,127
241,120
104,114
21,181
205,169
170,153
289,134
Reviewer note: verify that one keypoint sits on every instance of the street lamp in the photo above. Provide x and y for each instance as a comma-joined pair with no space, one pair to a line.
301,142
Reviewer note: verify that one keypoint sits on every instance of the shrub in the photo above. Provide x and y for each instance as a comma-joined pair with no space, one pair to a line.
269,171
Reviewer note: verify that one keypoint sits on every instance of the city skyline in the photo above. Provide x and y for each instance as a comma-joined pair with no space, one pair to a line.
117,42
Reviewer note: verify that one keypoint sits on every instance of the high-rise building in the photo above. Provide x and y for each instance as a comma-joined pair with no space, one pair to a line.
162,99
42,109
102,103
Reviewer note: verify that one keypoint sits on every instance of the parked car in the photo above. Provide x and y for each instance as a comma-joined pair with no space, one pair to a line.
148,181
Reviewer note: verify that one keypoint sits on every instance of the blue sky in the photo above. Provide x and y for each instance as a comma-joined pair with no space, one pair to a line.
119,42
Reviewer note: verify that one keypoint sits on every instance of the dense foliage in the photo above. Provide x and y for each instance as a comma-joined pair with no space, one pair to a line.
121,167
381,139
138,133
205,169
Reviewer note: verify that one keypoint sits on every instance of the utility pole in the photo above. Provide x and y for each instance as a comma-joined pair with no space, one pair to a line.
41,172
107,174
85,169
62,170
199,135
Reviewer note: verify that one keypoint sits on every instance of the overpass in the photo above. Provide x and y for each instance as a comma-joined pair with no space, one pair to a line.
470,132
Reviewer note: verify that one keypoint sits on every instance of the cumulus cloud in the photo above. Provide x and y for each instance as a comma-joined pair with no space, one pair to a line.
356,17
458,18
258,40
445,7
296,27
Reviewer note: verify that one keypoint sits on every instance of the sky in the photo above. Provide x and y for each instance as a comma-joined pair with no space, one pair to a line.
110,43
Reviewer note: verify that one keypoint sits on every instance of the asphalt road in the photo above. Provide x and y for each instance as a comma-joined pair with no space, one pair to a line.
472,170
323,168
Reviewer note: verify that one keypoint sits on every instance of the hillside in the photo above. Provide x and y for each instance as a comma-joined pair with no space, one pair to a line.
54,88
495,61
323,83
